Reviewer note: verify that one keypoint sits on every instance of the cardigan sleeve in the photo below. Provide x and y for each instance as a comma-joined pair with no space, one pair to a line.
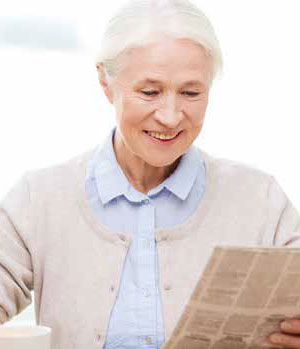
283,217
16,271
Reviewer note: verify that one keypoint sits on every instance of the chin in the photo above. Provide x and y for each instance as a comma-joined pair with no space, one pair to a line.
161,162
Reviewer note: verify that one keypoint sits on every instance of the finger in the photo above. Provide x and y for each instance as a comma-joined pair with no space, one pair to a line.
285,340
269,345
290,326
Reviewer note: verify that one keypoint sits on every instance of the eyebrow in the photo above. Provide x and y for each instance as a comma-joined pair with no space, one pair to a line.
153,81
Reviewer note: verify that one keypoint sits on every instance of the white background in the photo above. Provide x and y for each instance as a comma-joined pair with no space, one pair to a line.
52,107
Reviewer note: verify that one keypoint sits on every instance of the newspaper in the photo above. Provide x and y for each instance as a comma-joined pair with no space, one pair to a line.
240,299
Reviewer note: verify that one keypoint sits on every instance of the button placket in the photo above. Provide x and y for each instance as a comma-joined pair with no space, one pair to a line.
146,243
145,255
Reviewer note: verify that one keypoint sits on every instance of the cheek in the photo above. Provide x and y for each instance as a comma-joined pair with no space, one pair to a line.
196,110
136,109
197,114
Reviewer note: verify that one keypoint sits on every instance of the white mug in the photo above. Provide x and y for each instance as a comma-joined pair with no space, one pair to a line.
25,337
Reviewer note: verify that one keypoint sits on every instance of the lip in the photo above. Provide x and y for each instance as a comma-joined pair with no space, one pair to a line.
162,142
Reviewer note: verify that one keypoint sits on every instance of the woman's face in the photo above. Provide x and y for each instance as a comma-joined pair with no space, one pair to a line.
162,87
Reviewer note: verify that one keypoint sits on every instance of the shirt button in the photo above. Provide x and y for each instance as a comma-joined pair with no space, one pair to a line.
112,288
98,337
162,238
148,340
167,287
122,237
147,292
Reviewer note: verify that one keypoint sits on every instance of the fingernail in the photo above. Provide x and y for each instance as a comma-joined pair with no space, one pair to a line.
275,338
286,325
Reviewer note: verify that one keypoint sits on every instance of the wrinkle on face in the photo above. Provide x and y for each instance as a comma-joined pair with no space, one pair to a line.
164,68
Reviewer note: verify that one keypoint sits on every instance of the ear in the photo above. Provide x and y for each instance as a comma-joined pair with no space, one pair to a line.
104,83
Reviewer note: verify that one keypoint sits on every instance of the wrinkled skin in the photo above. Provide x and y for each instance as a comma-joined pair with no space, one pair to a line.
172,106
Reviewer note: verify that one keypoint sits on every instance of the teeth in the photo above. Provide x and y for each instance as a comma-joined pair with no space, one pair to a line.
159,135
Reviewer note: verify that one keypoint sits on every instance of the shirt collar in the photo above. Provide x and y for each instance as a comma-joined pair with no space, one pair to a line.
111,181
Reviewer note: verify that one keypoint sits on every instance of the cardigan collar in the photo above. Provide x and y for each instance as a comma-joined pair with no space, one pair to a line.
79,170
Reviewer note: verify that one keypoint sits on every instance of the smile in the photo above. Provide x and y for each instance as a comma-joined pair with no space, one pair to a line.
153,137
160,135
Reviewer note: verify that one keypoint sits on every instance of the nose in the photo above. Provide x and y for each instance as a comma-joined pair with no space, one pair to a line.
169,112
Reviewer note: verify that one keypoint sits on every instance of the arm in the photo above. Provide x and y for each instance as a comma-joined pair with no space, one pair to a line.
285,223
16,272
283,219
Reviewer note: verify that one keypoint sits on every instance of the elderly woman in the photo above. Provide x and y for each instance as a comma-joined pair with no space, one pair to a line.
114,240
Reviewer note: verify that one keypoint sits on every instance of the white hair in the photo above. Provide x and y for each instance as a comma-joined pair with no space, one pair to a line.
136,22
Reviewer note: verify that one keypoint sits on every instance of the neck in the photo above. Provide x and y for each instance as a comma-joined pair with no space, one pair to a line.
139,173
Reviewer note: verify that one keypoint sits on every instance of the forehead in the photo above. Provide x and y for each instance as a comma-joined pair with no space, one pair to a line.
165,60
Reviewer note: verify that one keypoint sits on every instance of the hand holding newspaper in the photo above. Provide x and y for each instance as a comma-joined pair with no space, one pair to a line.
242,297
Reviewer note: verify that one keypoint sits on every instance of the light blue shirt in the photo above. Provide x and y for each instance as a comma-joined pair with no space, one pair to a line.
136,320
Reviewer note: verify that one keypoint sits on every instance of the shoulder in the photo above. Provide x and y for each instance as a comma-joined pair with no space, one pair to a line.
60,177
236,175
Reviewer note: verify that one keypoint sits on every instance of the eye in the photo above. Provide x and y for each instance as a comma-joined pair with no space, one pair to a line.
154,92
191,93
149,92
